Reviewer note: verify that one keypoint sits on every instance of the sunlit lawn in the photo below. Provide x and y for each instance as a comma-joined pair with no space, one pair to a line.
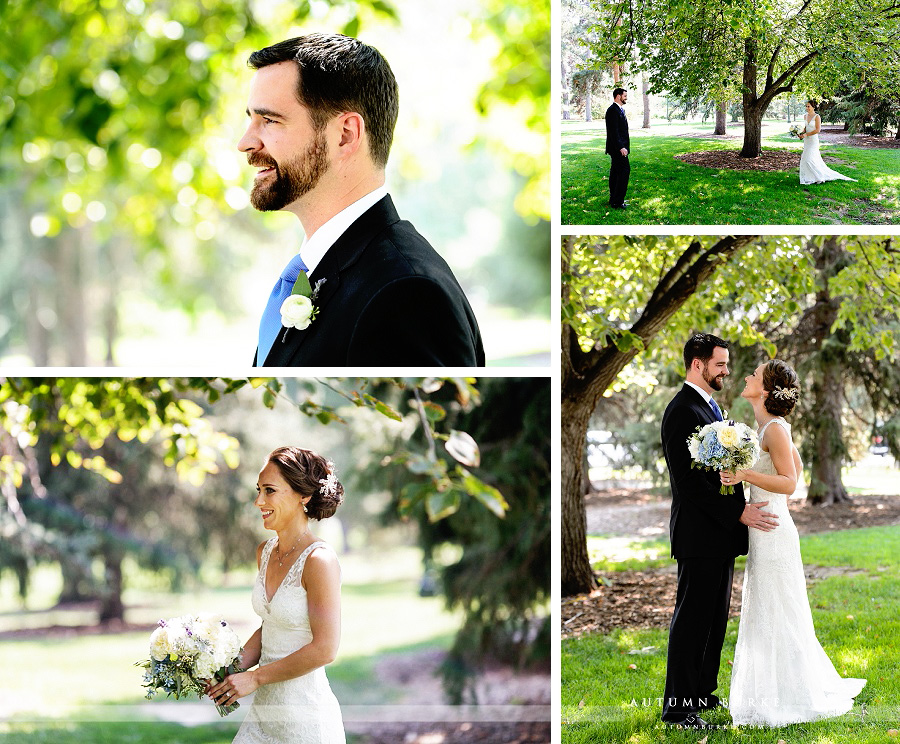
663,190
856,622
74,676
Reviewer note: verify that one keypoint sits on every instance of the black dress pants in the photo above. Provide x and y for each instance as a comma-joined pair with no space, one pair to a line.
696,635
618,179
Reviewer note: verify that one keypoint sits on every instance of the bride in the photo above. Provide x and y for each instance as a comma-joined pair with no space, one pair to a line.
812,167
298,598
781,674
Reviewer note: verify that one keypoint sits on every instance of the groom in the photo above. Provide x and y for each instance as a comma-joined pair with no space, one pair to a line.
322,112
707,531
618,143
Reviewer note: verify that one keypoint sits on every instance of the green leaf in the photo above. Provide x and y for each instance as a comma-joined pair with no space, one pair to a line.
440,505
487,495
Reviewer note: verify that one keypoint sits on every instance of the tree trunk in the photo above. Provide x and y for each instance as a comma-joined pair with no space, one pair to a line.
70,298
753,111
587,101
111,605
720,118
827,430
616,72
645,86
565,90
577,576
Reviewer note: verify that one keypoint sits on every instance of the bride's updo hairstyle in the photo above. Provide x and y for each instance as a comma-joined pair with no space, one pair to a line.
783,386
814,104
312,475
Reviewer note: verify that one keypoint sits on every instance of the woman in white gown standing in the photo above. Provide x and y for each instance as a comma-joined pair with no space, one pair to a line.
297,595
781,674
812,167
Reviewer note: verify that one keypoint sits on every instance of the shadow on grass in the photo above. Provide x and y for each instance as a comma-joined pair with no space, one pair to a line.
663,190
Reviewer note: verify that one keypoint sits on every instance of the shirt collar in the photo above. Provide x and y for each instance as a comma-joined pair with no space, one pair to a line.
313,249
706,396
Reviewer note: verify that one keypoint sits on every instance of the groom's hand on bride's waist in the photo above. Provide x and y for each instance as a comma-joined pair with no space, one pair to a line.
753,516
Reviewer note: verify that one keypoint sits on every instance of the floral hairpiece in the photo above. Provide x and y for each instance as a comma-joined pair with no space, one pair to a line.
329,484
786,393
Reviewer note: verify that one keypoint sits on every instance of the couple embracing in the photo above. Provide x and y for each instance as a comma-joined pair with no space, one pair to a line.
781,674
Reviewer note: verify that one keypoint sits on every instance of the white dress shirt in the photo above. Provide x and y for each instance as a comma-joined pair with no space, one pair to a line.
313,250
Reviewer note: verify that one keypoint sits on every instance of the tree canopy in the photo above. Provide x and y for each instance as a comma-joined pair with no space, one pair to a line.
752,50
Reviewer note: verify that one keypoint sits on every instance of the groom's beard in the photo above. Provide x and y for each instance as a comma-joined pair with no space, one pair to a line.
714,382
291,180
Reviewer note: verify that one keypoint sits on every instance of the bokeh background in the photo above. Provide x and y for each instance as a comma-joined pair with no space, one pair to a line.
130,500
127,234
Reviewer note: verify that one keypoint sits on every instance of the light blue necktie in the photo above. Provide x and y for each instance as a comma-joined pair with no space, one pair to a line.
270,325
716,410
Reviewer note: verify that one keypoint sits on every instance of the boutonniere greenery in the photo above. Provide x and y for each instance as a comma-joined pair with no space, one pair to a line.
298,310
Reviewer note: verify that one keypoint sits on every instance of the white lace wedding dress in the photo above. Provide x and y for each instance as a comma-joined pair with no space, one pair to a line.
812,167
781,674
302,710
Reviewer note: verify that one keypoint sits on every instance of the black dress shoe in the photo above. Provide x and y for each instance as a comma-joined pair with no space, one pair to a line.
617,206
711,702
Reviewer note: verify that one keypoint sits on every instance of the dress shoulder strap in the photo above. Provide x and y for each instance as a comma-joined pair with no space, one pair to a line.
784,425
267,551
296,571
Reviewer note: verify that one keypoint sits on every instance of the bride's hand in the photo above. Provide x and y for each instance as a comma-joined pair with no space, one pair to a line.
234,686
732,479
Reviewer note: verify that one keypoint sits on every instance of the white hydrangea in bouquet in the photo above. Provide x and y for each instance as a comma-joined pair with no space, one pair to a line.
188,650
795,130
723,445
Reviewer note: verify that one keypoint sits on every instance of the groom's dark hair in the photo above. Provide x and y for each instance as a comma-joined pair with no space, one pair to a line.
339,74
700,346
618,91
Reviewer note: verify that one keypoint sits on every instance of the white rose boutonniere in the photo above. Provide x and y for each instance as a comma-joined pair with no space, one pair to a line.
297,312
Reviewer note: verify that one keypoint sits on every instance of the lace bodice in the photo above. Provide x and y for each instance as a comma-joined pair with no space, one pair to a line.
302,710
765,466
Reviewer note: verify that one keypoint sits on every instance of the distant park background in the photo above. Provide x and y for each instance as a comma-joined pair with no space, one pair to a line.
130,500
127,234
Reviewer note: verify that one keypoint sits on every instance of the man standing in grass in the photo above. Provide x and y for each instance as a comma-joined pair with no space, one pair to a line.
618,144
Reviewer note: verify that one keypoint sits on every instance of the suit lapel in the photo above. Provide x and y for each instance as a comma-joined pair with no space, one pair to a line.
341,256
703,408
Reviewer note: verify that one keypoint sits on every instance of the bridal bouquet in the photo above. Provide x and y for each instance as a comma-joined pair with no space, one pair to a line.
723,445
795,130
186,651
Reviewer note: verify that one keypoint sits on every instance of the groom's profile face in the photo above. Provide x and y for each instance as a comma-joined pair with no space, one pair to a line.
291,155
716,368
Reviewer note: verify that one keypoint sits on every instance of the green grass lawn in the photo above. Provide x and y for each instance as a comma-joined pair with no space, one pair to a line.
83,679
856,621
663,190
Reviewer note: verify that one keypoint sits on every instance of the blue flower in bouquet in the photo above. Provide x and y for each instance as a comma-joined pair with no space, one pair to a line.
710,447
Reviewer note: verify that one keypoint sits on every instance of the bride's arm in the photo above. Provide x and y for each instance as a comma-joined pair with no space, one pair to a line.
322,580
781,450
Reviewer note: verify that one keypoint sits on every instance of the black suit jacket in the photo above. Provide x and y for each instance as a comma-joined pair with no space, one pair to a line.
704,523
388,299
616,130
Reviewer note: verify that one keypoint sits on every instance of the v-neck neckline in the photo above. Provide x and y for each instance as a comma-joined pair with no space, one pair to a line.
265,576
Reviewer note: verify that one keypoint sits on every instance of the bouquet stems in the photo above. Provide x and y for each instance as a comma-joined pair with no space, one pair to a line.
224,710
